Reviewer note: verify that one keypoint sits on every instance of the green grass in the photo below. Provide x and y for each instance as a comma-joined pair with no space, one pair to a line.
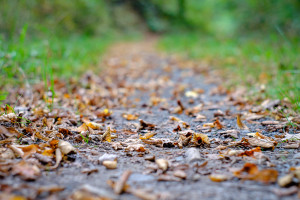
32,60
250,61
26,61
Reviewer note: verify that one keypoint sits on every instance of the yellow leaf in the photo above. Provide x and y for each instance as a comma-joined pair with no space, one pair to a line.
130,116
94,125
147,136
200,138
107,135
210,125
239,122
83,127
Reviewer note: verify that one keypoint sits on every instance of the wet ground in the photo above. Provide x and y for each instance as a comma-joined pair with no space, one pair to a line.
176,131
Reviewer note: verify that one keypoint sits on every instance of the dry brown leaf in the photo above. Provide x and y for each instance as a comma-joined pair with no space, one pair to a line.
240,124
58,158
218,125
130,117
95,126
147,136
6,153
65,147
250,152
135,147
83,127
199,138
104,113
145,125
261,143
200,118
107,135
251,172
26,171
120,184
209,125
29,150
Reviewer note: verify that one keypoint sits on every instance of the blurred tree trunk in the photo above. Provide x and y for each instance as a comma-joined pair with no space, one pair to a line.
181,9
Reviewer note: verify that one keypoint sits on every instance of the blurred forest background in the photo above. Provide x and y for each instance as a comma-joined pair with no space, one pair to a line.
256,42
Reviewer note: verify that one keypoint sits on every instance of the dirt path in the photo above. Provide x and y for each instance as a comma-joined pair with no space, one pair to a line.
176,132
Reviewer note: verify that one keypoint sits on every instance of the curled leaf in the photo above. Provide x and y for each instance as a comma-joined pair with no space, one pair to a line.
240,124
147,136
107,135
65,147
199,138
130,117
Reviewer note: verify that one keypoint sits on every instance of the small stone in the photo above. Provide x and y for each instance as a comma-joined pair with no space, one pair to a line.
285,180
180,174
162,164
297,156
192,155
218,177
196,177
107,156
110,164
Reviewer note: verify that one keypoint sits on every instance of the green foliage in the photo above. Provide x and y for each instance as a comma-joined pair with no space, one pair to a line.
251,61
85,139
60,56
58,17
100,17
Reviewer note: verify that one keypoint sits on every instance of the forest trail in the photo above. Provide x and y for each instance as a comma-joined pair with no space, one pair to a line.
150,126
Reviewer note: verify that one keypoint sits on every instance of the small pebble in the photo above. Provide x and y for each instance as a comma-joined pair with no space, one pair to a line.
150,158
297,156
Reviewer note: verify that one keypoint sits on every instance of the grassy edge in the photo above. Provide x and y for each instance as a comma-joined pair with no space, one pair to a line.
268,68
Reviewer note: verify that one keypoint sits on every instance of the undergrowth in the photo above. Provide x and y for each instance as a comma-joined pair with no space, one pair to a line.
25,60
271,64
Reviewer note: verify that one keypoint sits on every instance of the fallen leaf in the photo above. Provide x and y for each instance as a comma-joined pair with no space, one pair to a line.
145,125
250,152
120,184
26,171
65,147
261,143
199,138
251,172
95,126
58,158
147,136
130,117
135,147
240,124
107,135
83,127
217,124
29,150
166,177
6,154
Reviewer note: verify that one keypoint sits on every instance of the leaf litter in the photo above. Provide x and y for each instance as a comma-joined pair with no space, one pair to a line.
148,121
